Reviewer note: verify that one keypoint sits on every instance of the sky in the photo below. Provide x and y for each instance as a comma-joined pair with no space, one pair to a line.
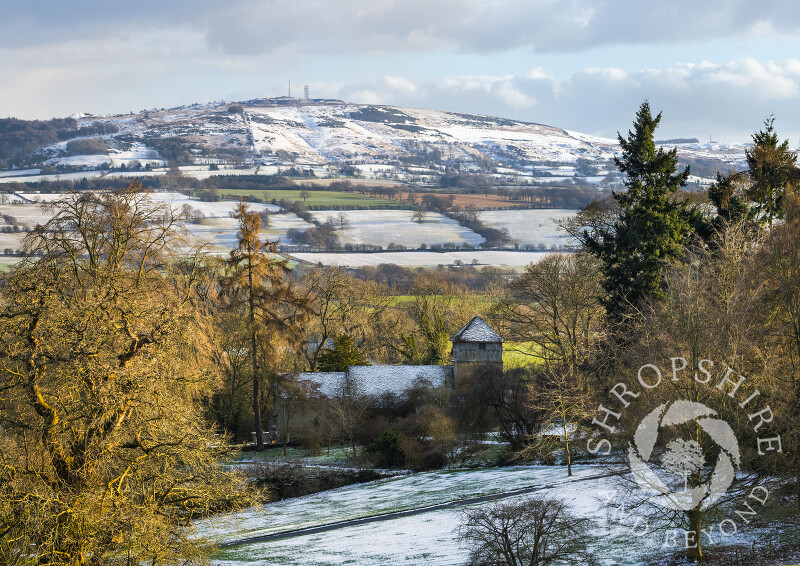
715,68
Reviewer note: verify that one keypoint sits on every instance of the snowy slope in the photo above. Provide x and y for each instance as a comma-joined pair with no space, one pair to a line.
319,132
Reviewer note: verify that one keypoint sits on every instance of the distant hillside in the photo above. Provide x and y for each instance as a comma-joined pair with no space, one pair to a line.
345,138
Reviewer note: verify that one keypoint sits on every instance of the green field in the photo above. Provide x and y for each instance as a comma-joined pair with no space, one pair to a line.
518,354
318,199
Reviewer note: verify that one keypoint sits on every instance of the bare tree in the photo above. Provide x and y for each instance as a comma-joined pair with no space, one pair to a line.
347,412
564,399
345,305
535,531
555,305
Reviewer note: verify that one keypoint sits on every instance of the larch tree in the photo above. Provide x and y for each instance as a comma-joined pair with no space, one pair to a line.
259,282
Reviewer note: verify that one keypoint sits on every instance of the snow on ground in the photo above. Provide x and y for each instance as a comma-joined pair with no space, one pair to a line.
381,496
19,172
25,214
430,539
81,160
202,172
11,240
511,259
384,227
220,234
136,151
279,224
532,226
218,209
76,176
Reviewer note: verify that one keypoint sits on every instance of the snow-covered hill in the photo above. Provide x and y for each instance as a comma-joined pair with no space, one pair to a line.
325,132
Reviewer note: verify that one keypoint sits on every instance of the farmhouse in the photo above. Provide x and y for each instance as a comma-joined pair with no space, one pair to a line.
475,345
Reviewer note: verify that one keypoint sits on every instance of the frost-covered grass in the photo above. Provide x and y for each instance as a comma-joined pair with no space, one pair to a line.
430,538
384,227
379,497
7,262
532,227
333,456
509,259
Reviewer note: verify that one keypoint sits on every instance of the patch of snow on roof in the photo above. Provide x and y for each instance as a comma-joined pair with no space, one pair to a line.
378,380
476,330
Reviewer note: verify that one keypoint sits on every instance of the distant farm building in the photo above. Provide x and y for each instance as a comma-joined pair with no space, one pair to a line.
476,345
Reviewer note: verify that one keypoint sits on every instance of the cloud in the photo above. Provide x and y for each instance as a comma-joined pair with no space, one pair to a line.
728,101
308,27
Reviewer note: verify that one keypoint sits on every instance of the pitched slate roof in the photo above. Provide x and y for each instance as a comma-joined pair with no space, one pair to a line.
377,380
476,330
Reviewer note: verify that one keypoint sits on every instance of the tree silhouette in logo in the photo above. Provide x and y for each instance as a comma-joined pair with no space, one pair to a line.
684,458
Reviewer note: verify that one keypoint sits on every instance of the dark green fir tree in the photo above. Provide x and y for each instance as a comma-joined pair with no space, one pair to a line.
654,223
343,355
771,166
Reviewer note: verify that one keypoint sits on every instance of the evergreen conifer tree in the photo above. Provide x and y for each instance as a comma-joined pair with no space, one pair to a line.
343,355
770,166
653,225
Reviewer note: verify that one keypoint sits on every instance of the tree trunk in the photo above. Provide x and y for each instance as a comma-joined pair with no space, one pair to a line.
569,453
257,412
695,524
254,354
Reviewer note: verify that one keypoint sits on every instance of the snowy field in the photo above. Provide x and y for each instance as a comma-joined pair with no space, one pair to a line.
75,176
384,227
217,231
531,227
378,497
25,214
220,234
428,538
19,173
510,259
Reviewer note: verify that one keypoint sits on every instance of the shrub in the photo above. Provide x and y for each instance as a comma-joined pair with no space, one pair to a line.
433,460
385,450
412,452
312,440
